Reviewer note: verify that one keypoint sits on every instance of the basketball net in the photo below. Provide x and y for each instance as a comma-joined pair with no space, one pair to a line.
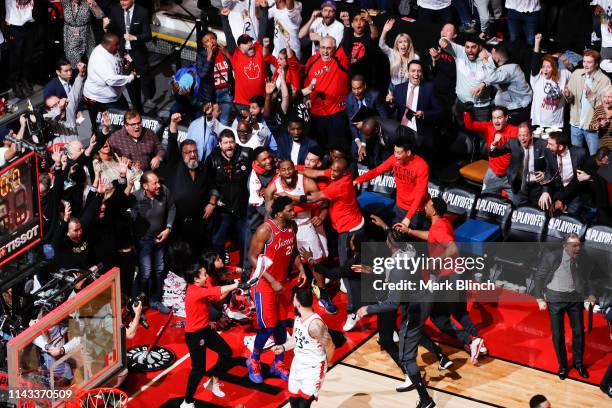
102,398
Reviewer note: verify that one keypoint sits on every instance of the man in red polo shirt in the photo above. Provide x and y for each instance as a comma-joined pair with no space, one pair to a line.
411,174
246,56
327,76
496,134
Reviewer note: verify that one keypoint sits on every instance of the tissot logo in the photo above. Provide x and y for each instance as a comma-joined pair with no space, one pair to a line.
21,240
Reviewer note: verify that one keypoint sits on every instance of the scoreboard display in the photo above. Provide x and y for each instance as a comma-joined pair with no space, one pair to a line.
20,211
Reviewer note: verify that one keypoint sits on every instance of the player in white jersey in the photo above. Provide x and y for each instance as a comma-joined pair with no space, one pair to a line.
296,186
242,17
313,351
287,15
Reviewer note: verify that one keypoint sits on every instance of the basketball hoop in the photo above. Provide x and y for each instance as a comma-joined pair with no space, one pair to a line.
102,398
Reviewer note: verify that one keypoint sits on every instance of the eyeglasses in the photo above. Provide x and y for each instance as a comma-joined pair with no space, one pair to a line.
134,124
190,152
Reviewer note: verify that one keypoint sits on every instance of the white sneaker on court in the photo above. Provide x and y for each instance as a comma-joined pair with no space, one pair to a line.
214,387
186,404
407,385
351,321
475,349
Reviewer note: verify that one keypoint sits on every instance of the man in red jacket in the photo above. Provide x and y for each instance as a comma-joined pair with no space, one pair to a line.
496,134
327,76
411,174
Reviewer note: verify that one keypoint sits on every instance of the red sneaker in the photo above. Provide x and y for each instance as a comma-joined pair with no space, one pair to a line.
280,370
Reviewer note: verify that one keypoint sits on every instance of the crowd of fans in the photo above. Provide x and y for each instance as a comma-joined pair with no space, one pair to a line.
297,113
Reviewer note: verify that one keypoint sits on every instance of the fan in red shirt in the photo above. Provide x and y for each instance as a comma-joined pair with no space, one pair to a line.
247,60
496,134
276,240
327,78
441,245
411,174
198,334
288,62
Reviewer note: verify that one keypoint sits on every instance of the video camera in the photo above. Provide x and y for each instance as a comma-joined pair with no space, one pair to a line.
133,302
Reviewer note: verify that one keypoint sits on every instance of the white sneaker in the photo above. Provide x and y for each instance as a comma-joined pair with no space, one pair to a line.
483,349
395,337
342,287
405,386
475,349
214,387
351,321
186,404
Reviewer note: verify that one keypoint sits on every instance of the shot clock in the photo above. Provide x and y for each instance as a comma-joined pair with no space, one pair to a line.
20,215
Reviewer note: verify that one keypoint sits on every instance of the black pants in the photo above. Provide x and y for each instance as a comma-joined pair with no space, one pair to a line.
142,85
520,115
299,402
410,335
332,131
126,262
20,41
386,327
197,343
557,311
93,108
441,316
530,196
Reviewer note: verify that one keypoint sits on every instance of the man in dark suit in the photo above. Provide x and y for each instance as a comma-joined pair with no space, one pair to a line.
60,85
418,107
563,163
133,44
293,144
524,176
361,96
380,136
561,285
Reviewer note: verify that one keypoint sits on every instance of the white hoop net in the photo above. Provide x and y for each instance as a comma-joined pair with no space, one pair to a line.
103,398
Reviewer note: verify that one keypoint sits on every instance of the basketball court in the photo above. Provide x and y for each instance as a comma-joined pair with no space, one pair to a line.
520,363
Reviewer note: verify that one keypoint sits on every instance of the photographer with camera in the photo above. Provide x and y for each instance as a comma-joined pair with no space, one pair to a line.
8,149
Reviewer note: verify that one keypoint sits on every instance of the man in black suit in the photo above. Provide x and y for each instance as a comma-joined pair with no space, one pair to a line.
362,96
418,107
524,176
561,285
380,137
133,44
563,163
60,85
294,144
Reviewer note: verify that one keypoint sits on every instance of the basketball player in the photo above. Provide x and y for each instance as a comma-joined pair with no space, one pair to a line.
313,351
276,240
310,233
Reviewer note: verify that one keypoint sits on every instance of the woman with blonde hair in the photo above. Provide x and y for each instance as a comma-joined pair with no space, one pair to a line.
547,82
602,118
401,54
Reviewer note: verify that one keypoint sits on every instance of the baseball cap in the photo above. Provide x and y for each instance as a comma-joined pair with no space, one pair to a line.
244,39
328,3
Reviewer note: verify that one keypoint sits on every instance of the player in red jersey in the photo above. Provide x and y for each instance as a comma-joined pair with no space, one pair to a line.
276,240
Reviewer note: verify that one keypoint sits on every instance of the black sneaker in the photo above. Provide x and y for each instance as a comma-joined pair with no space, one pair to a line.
426,404
444,363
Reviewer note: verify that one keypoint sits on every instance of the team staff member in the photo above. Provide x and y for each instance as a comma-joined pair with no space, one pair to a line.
199,335
276,240
346,219
327,74
411,174
313,351
441,244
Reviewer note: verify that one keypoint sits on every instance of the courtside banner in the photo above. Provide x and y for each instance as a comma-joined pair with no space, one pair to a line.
399,271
